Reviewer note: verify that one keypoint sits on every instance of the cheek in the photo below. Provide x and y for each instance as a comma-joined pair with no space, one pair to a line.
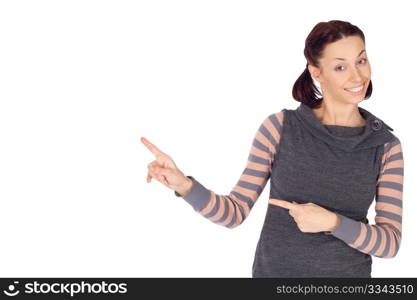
367,71
339,83
335,82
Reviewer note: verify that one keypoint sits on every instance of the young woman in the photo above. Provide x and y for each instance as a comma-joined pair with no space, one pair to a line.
327,160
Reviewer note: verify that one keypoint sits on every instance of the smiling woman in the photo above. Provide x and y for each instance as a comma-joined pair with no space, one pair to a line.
327,161
337,59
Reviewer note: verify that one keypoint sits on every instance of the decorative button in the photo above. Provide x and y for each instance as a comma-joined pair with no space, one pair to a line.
376,124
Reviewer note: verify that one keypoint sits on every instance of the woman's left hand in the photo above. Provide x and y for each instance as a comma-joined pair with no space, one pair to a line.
310,217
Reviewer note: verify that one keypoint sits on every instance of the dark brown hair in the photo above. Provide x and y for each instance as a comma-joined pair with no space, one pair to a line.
304,89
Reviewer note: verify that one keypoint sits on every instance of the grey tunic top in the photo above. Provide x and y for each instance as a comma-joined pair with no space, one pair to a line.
336,167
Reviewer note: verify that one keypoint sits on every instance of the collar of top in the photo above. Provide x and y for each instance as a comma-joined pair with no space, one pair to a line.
374,133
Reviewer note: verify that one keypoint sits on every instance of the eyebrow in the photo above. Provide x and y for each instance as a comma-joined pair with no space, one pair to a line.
344,59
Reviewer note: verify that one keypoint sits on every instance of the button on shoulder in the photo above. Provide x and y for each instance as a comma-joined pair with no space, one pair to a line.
376,124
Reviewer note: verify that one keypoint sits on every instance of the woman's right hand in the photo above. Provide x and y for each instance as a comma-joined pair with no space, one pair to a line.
164,169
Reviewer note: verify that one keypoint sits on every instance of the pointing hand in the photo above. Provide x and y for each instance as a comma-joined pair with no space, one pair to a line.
310,217
164,169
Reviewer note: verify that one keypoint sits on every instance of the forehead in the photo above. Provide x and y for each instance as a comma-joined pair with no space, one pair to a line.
347,48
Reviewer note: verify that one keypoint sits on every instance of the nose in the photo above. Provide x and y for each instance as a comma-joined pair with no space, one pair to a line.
355,76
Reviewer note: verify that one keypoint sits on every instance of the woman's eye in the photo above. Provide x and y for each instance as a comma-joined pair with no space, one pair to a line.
339,68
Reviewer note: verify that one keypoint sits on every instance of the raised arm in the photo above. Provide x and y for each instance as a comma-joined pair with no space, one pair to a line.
232,209
384,238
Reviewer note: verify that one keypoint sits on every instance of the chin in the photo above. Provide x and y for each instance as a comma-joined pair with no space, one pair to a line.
354,101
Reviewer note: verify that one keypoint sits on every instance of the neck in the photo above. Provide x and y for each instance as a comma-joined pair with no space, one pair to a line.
341,114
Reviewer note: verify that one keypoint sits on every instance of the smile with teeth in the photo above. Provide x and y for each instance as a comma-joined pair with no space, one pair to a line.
356,90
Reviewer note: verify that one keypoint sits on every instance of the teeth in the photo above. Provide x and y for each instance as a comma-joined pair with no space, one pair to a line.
356,89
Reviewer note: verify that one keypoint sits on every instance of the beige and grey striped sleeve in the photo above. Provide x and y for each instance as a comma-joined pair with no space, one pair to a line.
232,209
384,238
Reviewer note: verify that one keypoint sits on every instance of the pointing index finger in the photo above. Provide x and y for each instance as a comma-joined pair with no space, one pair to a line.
151,147
284,204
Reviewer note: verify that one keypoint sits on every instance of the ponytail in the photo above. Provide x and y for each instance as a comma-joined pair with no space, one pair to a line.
305,91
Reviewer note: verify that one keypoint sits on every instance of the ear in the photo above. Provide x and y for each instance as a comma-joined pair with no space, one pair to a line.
315,72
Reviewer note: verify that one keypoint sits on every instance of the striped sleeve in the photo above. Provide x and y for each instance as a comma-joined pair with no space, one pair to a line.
232,209
382,239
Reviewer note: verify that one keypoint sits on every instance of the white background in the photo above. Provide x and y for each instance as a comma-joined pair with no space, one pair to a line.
82,81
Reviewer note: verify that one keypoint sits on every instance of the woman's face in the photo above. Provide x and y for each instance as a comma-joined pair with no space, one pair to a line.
343,66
